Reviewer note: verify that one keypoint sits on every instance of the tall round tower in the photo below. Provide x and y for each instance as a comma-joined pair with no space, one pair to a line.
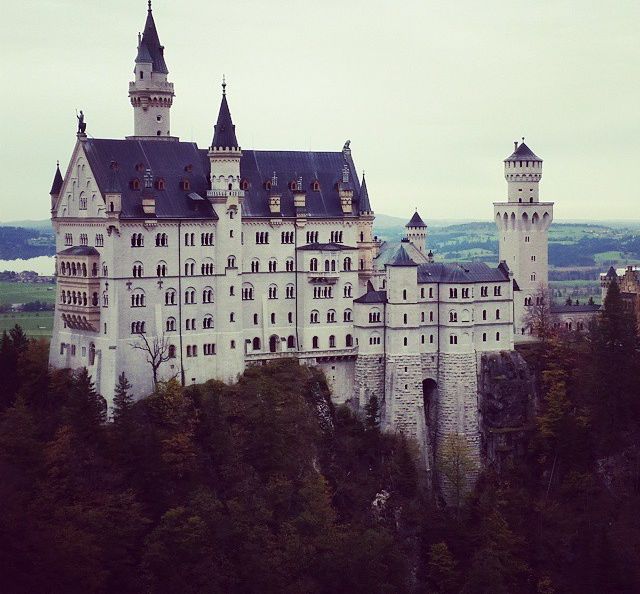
523,226
151,94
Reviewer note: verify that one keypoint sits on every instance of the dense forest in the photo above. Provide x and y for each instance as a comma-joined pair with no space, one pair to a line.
18,242
264,486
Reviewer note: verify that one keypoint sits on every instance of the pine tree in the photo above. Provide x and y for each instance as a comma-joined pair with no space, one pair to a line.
372,414
123,400
442,569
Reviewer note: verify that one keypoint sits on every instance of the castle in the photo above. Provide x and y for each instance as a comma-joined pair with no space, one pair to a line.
176,261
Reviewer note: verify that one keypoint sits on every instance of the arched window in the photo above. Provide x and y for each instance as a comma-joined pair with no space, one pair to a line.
171,324
326,266
256,344
172,351
290,291
453,316
374,315
189,267
273,265
347,315
348,290
315,343
497,314
207,295
332,342
138,270
273,292
291,342
170,297
349,341
207,321
231,262
346,264
289,265
313,318
255,265
313,266
190,295
137,298
247,292
331,316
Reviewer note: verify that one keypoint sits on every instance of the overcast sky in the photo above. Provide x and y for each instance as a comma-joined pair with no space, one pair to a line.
431,94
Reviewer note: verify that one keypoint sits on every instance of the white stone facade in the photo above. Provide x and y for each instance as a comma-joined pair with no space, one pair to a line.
264,273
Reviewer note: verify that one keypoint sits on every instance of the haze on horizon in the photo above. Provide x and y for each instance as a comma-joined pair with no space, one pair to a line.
431,94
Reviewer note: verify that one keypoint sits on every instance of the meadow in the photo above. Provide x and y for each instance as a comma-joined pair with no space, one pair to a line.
26,292
37,324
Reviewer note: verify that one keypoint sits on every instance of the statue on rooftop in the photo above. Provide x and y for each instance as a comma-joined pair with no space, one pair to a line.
82,125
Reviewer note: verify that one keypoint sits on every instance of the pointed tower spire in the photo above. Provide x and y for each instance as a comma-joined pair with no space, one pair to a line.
151,93
364,205
57,181
224,135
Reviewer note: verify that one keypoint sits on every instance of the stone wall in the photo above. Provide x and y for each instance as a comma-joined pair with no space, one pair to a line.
369,381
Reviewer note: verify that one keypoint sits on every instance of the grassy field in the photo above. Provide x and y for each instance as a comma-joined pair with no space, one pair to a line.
35,324
26,292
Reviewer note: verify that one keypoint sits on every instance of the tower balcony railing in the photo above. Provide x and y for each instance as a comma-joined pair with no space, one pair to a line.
225,193
151,86
301,354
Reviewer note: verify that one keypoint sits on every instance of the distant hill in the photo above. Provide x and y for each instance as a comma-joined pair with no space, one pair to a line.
23,243
44,224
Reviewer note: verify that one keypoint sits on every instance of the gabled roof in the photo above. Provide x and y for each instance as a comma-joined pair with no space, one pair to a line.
464,272
114,162
401,258
224,135
152,48
326,247
416,221
582,308
523,153
363,204
57,182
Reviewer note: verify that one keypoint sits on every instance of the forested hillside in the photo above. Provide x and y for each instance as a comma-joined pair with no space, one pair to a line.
19,242
262,486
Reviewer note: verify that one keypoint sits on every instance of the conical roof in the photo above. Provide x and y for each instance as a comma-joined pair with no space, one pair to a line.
416,221
224,135
150,46
57,182
364,205
401,258
611,273
523,153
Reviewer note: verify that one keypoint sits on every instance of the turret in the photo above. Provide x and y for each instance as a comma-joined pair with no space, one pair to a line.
606,280
417,232
523,171
151,94
56,186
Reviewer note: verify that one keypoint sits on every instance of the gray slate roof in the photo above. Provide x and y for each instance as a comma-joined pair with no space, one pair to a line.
114,165
224,135
57,182
80,250
523,153
327,247
150,46
372,297
401,258
364,204
465,272
416,221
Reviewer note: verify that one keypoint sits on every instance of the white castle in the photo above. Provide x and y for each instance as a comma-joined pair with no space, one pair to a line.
224,257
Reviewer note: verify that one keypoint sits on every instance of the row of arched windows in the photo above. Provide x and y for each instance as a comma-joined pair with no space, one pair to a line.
77,269
162,240
78,298
315,342
137,327
137,240
330,265
314,316
323,292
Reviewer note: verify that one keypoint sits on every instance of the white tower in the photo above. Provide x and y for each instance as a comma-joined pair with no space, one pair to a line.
417,232
523,226
150,93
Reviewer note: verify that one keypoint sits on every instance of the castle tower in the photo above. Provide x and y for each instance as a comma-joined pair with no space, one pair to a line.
417,232
56,186
226,197
151,94
366,241
523,227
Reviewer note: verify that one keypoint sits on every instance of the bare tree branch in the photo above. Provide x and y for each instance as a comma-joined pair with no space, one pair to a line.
157,350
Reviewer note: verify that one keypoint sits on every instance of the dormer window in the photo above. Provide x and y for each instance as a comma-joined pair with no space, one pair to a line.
135,184
160,184
140,167
244,184
185,184
293,185
188,168
267,184
158,118
315,185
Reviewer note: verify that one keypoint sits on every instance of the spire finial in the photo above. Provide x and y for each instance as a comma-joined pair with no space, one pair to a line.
523,139
58,163
224,85
149,3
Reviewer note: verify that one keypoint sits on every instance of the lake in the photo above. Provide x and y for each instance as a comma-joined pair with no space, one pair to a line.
43,265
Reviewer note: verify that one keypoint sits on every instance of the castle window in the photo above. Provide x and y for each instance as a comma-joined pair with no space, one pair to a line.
313,318
137,270
404,294
347,292
255,319
332,342
256,344
207,322
405,318
170,297
374,316
172,351
190,296
137,240
497,336
496,291
431,339
232,317
185,184
527,301
231,262
453,339
331,316
247,292
273,265
289,264
465,293
160,184
232,291
68,239
422,338
207,295
347,315
484,314
273,292
158,133
137,299
171,324
453,316
405,341
484,291
141,75
244,184
533,258
83,201
84,240
313,265
422,294
533,276
430,292
346,264
135,184
453,293
161,269
315,186
290,317
484,337
290,292
497,314
189,268
314,342
273,318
